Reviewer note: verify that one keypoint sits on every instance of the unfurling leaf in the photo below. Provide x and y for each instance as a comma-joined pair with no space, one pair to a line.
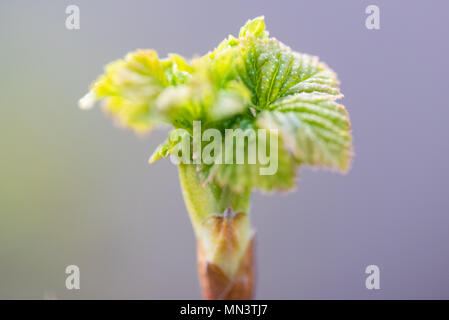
249,82
130,87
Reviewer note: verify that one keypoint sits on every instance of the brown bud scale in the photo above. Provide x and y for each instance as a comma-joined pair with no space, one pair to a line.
216,285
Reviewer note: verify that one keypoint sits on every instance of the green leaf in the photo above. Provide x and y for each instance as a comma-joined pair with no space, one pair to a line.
276,171
243,177
131,86
254,28
165,148
212,94
295,94
177,70
316,131
272,71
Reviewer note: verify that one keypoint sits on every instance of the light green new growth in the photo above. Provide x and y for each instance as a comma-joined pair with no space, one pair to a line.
252,81
249,82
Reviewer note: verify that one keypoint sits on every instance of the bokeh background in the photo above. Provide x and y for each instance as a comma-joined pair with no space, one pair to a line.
74,189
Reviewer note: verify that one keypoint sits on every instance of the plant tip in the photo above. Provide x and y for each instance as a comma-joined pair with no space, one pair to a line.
87,102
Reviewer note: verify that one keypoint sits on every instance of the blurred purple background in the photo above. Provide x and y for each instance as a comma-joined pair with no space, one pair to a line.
75,189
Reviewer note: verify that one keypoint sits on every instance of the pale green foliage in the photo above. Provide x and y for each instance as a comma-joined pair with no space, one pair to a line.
252,81
131,87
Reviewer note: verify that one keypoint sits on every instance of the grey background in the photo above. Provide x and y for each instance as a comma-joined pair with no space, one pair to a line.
75,189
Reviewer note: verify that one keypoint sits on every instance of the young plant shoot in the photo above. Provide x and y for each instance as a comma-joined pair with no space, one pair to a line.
244,117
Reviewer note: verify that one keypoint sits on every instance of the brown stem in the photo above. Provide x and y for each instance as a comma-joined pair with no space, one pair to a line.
216,285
